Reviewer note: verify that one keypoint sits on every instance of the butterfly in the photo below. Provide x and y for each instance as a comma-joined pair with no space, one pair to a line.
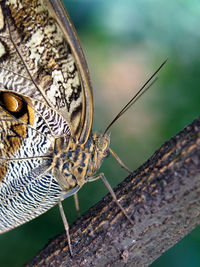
47,149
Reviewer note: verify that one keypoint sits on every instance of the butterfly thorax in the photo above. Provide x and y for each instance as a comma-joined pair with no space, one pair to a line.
75,163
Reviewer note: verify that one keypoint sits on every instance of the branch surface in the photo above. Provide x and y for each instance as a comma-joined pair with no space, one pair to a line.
163,199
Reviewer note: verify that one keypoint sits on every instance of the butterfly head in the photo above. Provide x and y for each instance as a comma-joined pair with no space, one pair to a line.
102,142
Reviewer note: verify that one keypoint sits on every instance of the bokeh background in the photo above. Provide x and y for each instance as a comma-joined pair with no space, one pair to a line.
124,42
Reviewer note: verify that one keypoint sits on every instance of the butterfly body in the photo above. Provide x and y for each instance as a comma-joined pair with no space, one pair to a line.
74,163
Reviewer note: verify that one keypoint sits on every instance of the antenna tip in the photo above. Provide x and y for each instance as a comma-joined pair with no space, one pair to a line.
165,60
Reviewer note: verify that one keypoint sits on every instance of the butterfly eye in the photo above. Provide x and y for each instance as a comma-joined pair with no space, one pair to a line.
103,143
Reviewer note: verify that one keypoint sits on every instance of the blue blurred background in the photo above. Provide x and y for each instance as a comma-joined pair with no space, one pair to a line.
124,42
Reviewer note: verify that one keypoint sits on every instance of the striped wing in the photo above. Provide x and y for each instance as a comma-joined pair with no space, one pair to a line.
45,93
28,129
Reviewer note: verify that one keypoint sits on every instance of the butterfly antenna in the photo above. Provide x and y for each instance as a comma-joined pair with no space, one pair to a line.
142,90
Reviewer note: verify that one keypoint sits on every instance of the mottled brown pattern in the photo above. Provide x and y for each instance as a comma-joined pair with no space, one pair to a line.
40,60
3,170
12,134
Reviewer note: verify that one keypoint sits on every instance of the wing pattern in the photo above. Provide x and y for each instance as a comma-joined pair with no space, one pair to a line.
45,94
27,186
37,61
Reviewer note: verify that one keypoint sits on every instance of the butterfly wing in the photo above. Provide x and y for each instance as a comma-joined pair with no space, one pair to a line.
28,129
41,57
45,93
58,11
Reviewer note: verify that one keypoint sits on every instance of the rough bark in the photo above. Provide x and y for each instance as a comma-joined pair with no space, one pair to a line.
162,197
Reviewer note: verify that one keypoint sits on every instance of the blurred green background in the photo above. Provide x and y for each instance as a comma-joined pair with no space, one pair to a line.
124,42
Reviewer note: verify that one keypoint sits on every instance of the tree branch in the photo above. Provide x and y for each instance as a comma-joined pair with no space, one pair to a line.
162,197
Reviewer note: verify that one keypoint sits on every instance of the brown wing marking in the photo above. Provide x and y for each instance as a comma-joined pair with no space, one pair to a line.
60,14
34,43
11,139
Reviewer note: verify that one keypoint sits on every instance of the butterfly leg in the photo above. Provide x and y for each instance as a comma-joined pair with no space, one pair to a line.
77,205
66,225
120,161
103,178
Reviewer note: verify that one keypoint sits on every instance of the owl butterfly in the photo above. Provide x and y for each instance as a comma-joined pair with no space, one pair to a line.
47,150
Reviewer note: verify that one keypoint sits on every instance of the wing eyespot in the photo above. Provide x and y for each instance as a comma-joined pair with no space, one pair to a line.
13,103
17,106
